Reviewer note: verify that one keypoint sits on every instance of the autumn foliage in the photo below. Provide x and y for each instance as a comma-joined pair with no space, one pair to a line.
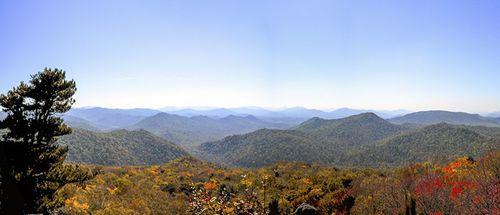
189,186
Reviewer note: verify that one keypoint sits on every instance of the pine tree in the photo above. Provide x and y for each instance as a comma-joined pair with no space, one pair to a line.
31,163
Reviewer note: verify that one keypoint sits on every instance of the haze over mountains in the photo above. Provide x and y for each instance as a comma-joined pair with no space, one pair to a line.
293,112
254,137
108,119
190,131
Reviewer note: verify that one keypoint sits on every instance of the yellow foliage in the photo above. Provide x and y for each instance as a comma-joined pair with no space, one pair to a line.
74,203
112,190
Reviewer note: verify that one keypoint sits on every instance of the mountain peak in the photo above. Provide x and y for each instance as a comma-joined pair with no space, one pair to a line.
366,115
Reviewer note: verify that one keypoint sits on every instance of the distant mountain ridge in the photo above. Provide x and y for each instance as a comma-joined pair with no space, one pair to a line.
120,147
108,119
438,116
495,115
191,131
77,122
293,112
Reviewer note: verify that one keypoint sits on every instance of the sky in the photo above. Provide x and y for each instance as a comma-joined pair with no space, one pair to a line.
415,55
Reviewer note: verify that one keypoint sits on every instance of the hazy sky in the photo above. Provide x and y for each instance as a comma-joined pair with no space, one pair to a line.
417,55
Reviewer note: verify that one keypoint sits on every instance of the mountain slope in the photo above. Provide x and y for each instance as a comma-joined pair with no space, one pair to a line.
191,131
346,112
316,140
354,130
439,142
120,147
76,122
360,140
263,147
434,117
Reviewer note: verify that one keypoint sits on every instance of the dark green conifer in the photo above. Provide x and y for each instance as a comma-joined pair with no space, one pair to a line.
31,163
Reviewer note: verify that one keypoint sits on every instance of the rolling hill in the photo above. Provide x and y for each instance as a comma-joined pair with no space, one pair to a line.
263,147
440,143
360,140
191,131
434,117
354,130
316,140
120,147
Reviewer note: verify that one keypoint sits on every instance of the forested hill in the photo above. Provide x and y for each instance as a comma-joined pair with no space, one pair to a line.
434,117
360,141
120,147
263,147
354,130
316,140
439,143
192,131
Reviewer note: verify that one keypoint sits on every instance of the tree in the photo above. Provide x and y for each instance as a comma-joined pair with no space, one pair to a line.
31,163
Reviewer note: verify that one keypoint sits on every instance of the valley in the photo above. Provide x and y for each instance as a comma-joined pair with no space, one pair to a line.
359,140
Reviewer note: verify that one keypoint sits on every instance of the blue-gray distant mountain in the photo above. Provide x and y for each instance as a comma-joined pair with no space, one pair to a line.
107,119
495,114
79,123
218,112
345,112
191,131
294,114
438,116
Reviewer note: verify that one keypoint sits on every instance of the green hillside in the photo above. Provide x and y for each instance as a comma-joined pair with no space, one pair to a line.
440,143
358,141
192,131
120,147
434,117
355,130
263,147
316,140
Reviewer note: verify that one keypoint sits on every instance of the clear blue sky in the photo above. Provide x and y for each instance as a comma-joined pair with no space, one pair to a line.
416,55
